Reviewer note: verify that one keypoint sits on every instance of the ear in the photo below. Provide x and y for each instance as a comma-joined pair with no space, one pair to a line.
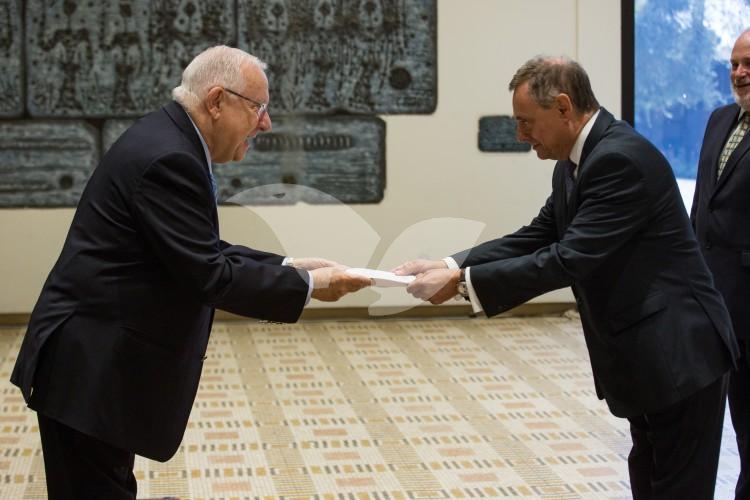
214,101
564,105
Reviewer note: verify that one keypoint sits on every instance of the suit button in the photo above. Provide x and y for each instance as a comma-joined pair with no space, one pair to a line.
708,245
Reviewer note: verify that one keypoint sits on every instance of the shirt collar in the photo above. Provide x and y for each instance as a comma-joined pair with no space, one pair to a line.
577,151
203,143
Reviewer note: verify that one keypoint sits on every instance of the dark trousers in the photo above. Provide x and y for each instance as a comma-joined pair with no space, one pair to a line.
675,451
739,409
80,467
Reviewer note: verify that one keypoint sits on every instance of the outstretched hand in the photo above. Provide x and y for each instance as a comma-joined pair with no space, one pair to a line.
310,263
435,285
331,283
418,266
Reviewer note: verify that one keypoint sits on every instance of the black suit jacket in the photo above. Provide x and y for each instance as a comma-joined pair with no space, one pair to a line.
655,327
117,339
721,215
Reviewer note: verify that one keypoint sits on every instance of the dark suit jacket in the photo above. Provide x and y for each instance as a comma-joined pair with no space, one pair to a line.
116,342
721,215
655,327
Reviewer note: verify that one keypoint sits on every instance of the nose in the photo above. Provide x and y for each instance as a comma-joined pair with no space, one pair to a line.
265,124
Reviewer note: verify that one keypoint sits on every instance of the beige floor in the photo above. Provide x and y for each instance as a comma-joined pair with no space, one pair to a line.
377,410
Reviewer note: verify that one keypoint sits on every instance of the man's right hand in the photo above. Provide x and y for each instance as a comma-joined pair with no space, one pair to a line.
419,266
332,283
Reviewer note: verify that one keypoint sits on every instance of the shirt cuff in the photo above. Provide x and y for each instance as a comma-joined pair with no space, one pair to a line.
310,281
475,305
451,263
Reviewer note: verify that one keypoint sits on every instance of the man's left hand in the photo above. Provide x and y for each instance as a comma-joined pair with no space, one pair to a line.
435,285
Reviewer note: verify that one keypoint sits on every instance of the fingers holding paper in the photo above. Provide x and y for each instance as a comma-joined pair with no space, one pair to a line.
418,266
435,285
310,263
332,283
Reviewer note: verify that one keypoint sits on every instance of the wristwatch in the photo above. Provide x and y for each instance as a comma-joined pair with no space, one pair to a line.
461,287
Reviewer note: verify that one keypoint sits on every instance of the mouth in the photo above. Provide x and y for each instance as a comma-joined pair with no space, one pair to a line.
741,84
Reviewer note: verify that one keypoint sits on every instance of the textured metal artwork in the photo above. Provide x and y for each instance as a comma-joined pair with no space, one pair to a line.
359,56
116,57
45,164
11,103
498,134
340,158
332,65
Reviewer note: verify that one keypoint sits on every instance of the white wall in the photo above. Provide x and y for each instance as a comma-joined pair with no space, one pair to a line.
442,193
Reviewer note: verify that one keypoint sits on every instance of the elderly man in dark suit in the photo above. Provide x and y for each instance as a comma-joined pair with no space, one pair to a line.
615,229
116,342
721,218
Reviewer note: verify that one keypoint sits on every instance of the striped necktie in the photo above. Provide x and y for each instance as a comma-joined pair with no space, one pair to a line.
739,132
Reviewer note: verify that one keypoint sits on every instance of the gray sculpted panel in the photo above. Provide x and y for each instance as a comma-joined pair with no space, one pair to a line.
312,159
116,57
337,159
359,56
45,164
11,94
112,130
498,134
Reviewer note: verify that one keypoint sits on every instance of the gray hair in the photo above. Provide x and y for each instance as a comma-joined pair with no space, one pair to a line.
219,65
549,77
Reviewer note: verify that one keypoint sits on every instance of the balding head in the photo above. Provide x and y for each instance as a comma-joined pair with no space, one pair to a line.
548,77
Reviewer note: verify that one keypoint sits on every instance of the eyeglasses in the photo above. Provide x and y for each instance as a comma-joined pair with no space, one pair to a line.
261,107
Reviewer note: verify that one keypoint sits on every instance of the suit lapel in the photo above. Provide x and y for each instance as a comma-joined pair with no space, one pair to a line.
180,117
602,123
734,158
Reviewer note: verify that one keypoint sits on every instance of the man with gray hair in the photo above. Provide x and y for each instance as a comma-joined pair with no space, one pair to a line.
614,229
721,218
115,345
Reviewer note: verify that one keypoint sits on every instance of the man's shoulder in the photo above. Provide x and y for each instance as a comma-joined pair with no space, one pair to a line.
723,112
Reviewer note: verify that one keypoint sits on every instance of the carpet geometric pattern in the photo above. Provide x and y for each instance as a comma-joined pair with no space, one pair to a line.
382,410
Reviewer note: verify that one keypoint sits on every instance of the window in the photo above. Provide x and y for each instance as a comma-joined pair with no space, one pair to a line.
676,71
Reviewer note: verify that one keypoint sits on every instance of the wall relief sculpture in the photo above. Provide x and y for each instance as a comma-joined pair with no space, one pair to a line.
115,58
498,134
89,68
45,163
359,56
11,95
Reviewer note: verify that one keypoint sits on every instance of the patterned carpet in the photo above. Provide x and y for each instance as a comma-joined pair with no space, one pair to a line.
459,408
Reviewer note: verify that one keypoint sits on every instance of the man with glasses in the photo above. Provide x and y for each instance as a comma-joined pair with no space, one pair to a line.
116,342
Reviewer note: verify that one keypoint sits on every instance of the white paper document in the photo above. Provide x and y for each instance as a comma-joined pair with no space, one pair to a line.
382,278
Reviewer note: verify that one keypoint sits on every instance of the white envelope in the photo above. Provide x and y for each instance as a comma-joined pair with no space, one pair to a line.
381,278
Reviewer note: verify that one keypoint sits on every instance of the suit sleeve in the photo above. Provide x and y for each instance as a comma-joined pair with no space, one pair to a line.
250,253
173,208
539,233
614,207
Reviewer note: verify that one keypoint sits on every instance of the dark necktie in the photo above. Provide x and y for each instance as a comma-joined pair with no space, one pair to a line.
739,132
570,181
